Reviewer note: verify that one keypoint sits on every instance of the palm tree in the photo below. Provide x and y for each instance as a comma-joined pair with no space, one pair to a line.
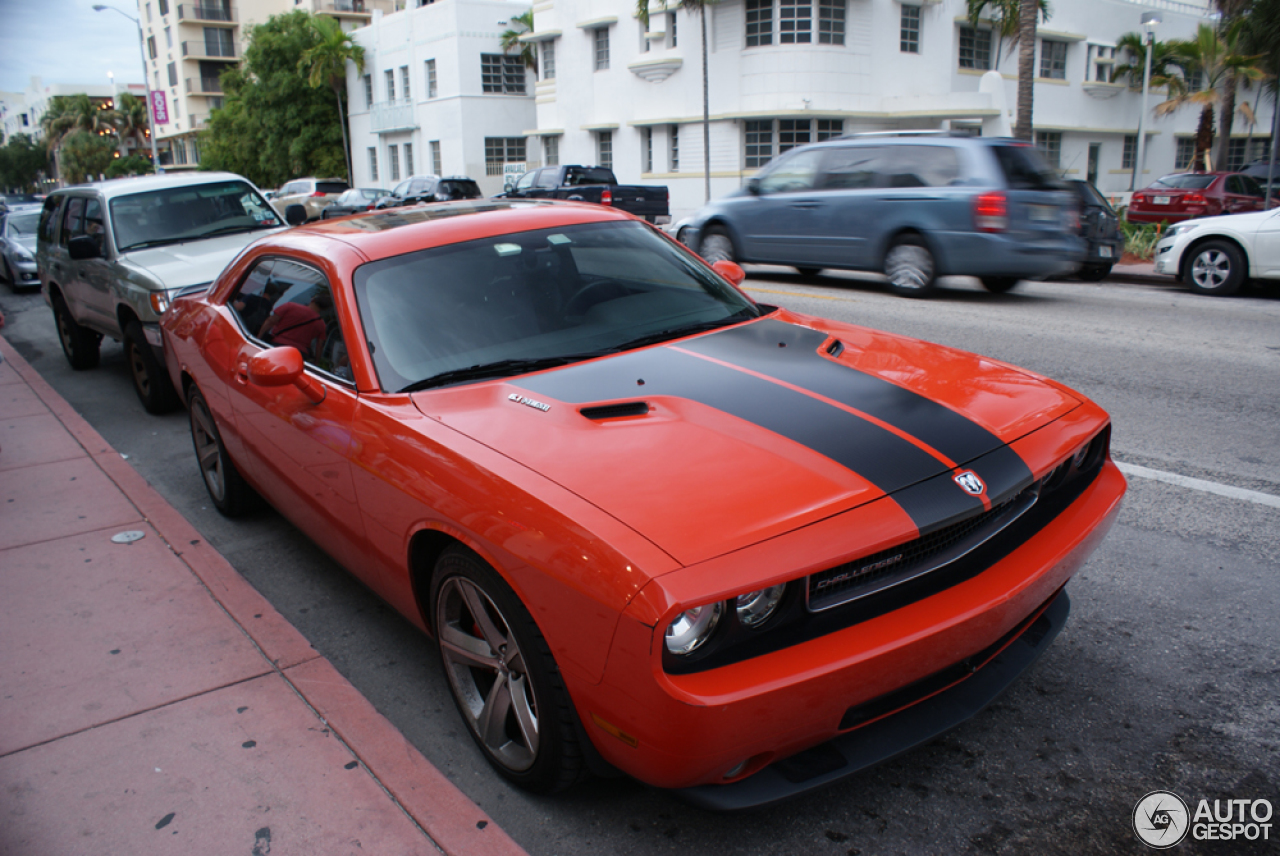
131,119
326,63
68,114
511,40
642,12
1165,63
1015,20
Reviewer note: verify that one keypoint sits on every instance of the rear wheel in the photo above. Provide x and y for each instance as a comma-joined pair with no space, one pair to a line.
150,380
909,266
230,493
80,344
999,284
1217,268
1094,273
503,677
716,246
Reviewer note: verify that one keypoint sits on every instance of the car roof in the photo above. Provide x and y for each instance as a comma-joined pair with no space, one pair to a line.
142,183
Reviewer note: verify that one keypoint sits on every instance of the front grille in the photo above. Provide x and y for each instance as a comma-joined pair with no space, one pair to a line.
870,574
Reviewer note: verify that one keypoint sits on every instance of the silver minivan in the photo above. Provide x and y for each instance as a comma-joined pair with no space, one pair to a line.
913,206
112,254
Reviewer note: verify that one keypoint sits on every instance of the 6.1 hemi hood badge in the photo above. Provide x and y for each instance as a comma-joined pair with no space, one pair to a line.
529,402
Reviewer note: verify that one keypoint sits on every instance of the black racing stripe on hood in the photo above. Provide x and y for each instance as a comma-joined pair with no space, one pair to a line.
881,457
756,347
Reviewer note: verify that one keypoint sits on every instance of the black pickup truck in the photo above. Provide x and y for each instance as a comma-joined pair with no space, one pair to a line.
592,184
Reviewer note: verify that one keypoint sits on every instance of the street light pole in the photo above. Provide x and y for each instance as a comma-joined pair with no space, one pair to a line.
142,52
1149,22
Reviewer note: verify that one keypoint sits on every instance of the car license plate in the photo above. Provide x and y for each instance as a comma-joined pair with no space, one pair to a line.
1043,214
1160,200
1104,252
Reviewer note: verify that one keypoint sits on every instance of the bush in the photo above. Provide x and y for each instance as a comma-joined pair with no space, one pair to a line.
1140,239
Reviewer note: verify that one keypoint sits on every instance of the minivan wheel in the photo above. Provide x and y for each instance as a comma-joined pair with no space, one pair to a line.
1217,268
999,284
150,380
716,246
1094,273
909,266
80,344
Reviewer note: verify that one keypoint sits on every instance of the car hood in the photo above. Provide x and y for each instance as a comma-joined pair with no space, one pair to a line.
192,262
27,242
715,442
1246,221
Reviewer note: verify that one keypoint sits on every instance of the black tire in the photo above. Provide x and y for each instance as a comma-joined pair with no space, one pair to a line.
150,380
808,271
999,284
716,245
1094,273
535,745
228,490
910,267
80,344
1215,267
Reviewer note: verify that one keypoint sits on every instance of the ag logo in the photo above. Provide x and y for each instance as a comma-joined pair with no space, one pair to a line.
1161,819
969,483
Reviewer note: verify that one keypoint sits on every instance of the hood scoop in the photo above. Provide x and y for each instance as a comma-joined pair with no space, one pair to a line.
618,410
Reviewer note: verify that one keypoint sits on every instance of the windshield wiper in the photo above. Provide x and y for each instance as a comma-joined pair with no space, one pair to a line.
159,242
500,368
686,330
221,230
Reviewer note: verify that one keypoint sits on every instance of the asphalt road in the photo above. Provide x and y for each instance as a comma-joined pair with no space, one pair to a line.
1166,676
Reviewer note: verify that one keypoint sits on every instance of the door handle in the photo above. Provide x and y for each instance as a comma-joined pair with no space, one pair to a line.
806,205
242,372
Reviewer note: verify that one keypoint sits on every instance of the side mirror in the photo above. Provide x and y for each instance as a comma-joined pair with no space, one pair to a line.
283,367
84,247
295,215
731,271
753,186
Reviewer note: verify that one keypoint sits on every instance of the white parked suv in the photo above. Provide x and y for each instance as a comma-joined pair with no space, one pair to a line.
1215,255
111,255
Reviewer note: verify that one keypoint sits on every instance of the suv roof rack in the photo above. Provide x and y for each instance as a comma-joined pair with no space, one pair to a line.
929,133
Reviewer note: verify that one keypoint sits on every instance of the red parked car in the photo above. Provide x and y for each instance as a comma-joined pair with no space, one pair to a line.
652,524
1185,195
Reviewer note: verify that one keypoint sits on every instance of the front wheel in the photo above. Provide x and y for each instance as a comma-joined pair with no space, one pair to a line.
80,344
150,380
230,493
909,266
716,246
999,284
503,678
1217,268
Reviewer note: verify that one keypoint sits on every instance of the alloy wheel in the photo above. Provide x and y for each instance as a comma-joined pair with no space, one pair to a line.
1211,269
909,266
208,452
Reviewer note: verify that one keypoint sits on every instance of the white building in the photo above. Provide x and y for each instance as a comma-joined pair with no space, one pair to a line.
438,95
21,112
786,72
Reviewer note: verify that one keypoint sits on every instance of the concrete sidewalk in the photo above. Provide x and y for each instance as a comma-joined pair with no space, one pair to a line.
153,702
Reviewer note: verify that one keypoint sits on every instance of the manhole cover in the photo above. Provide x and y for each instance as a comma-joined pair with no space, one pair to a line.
128,537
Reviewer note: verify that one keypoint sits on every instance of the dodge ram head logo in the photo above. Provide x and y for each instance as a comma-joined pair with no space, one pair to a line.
970,483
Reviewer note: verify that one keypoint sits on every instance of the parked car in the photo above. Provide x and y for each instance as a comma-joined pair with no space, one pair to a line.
1100,229
111,255
313,194
11,200
1258,171
1185,195
353,201
915,206
1217,255
593,184
18,246
430,188
650,522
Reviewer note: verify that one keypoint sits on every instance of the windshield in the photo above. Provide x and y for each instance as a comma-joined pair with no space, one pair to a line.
188,214
1185,181
23,225
539,299
456,189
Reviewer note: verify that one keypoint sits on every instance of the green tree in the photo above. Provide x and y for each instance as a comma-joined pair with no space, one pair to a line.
132,165
274,126
1015,20
511,40
691,6
86,155
1262,38
22,162
1165,63
131,120
71,114
325,63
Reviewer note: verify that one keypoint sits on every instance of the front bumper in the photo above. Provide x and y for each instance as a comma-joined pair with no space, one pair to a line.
1168,258
25,274
995,254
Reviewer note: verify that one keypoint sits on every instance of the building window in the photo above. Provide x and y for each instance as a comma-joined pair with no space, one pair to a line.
437,166
674,158
602,48
408,159
909,40
168,38
500,150
551,151
148,13
1101,62
151,46
432,90
648,149
1236,155
1053,59
644,39
368,91
759,23
830,22
502,74
829,129
164,7
549,60
671,29
604,149
219,42
179,151
758,136
1050,145
404,83
975,48
390,77
173,74
792,133
393,162
373,164
1130,148
795,22
1185,152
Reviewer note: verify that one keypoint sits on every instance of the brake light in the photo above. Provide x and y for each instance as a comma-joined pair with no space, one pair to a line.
369,207
318,193
1138,197
606,197
991,212
1194,199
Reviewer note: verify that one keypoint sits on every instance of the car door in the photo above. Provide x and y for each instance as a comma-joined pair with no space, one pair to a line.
851,181
1266,248
300,449
777,221
85,283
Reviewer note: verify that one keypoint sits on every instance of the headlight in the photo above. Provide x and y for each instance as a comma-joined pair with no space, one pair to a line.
24,255
1179,229
692,628
756,607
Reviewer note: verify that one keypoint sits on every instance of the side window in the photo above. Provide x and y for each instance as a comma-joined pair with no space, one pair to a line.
920,166
796,173
1250,186
548,178
296,307
49,219
72,219
852,167
402,189
94,225
527,180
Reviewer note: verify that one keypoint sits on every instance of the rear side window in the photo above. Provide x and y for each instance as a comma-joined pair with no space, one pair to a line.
455,189
73,219
853,167
920,166
49,217
598,175
332,186
1249,186
547,178
1185,181
1024,169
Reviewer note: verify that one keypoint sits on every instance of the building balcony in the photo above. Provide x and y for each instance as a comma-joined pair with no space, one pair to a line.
388,116
208,50
204,86
206,13
357,9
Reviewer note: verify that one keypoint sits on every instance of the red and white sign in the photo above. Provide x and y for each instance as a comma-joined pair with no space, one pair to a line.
159,107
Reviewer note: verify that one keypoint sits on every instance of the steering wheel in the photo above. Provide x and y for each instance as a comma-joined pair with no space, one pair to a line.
579,303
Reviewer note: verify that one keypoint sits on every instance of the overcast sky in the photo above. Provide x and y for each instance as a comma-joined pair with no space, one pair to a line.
65,41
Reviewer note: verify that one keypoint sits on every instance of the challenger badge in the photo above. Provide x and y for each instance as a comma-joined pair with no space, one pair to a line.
970,483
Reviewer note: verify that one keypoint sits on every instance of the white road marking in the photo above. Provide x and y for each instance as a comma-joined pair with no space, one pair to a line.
1200,484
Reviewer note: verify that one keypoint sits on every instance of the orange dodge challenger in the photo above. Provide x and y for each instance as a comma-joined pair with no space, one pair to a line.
653,525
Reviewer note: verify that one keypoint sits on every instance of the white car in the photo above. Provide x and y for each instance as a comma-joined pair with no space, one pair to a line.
1215,255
